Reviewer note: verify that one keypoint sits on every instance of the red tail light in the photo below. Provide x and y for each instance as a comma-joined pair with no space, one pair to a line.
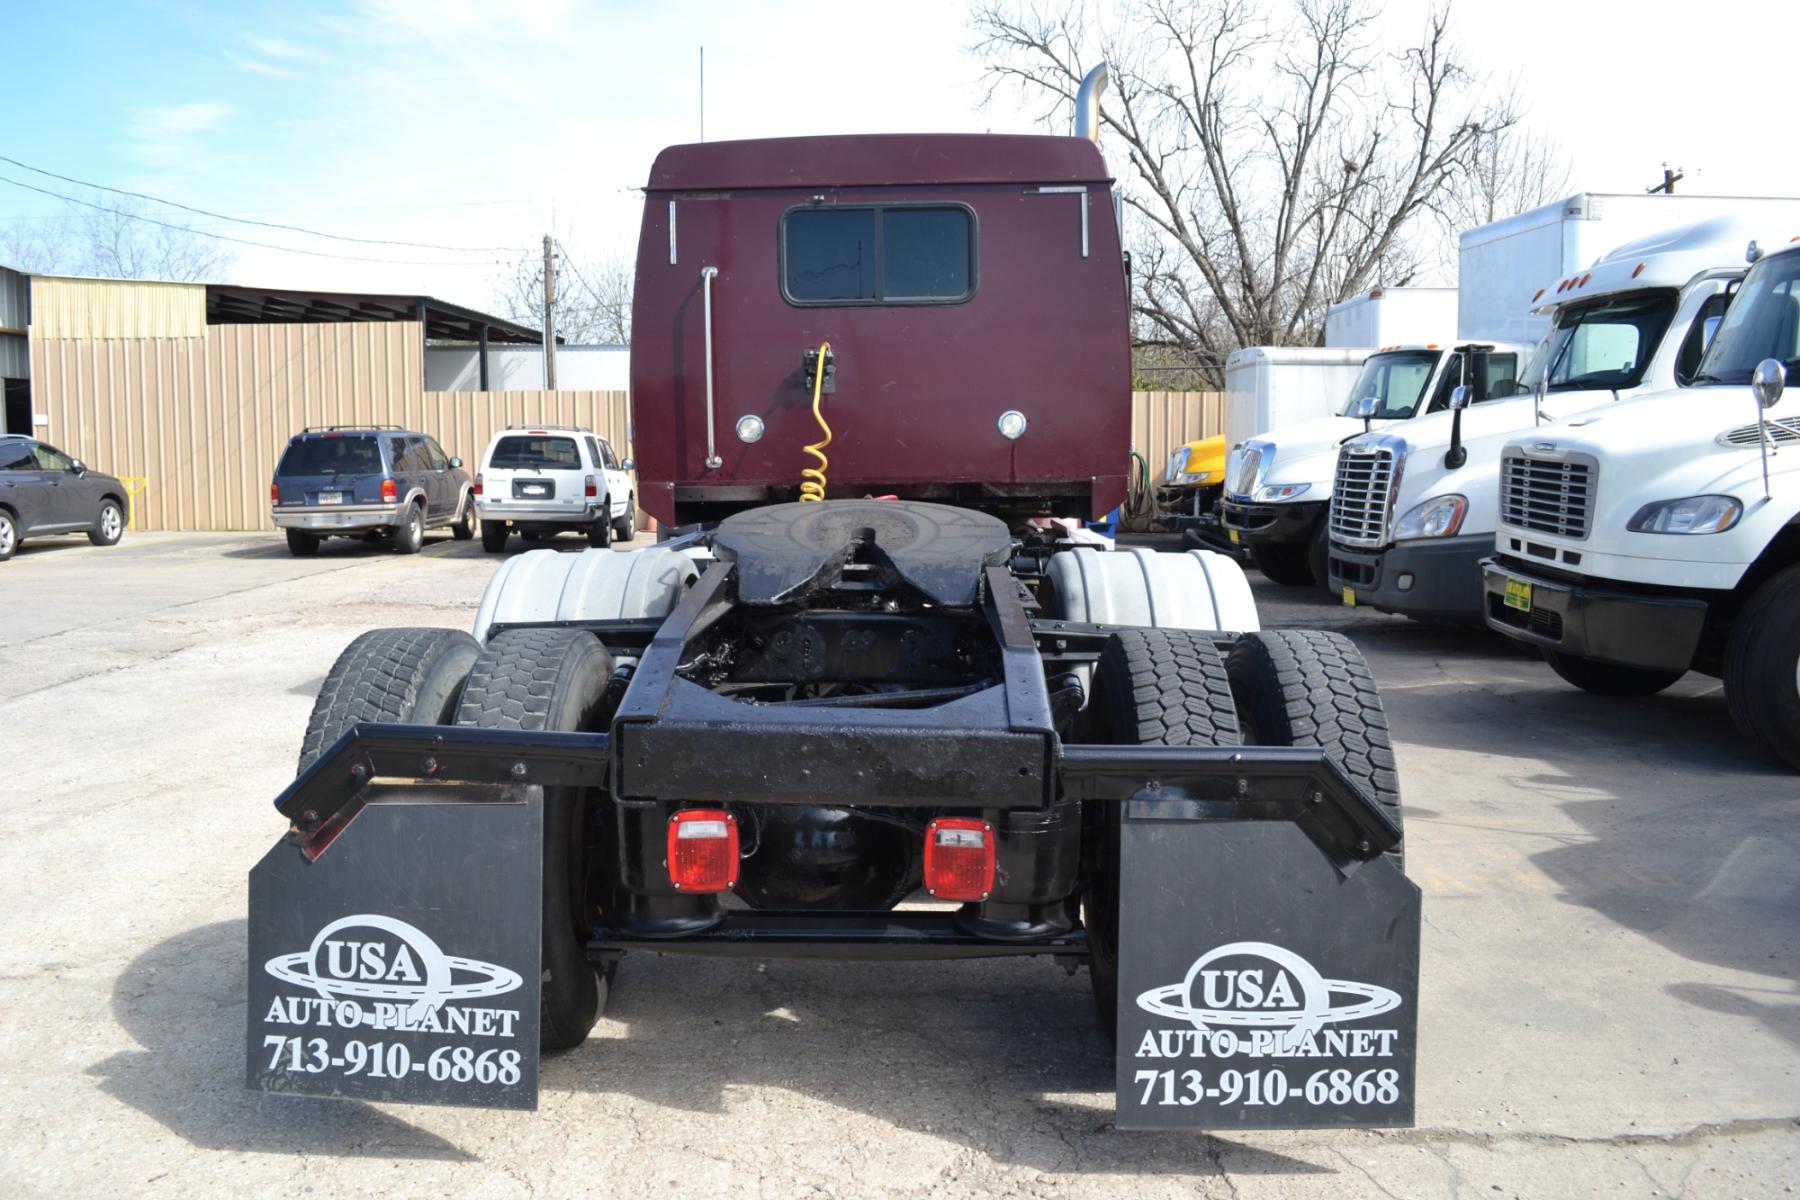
703,850
959,858
390,491
478,485
589,489
274,493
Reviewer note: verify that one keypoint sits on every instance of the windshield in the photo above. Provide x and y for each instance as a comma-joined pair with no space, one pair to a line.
535,451
1397,379
331,456
1603,345
1762,322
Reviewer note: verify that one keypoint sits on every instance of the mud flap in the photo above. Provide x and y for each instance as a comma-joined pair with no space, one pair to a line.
402,962
1263,984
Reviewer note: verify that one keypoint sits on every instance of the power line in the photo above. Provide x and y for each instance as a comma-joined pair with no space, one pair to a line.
396,262
336,237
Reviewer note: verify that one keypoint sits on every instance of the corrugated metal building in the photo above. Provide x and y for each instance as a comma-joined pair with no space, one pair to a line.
15,357
189,392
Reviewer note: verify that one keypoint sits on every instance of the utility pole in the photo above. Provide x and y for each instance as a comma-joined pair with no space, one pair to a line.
549,313
1669,180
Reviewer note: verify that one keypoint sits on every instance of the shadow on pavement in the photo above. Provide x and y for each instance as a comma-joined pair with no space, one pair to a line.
183,1000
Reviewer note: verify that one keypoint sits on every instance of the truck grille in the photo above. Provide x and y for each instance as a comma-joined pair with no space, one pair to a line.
1548,496
1245,466
1361,494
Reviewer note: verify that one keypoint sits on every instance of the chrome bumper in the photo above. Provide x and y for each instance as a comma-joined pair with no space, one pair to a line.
335,518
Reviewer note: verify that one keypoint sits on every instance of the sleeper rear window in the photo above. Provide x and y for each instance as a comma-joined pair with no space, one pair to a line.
545,453
915,254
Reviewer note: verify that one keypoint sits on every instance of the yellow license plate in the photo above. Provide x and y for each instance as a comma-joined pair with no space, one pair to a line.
1349,597
1518,595
1235,539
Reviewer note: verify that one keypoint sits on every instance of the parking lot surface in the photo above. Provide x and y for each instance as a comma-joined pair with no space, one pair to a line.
1608,998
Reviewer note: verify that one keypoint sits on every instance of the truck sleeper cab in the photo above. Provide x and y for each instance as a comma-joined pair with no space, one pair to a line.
1278,485
1662,535
1411,519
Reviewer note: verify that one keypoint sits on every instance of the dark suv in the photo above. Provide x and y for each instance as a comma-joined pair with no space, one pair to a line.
43,490
374,482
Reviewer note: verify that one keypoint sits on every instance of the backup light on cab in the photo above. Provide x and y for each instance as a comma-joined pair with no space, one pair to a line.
703,850
959,858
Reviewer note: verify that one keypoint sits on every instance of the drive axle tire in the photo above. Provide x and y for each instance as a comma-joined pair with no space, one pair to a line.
1288,565
1153,687
493,536
552,680
1609,679
1762,668
404,676
409,535
302,544
1308,688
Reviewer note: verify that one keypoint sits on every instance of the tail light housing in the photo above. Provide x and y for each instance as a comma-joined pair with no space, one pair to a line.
274,492
390,491
703,850
959,858
588,487
478,485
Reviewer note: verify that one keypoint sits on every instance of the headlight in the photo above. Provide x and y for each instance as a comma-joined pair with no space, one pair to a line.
1690,514
1441,516
1277,492
1189,478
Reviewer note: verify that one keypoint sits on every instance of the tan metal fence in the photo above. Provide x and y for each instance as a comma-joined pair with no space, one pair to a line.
196,425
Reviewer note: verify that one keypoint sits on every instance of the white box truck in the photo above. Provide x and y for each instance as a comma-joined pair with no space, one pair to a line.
1503,267
1643,540
1414,508
1391,317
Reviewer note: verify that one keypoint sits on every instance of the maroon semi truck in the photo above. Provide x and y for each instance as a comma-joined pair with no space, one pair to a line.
894,715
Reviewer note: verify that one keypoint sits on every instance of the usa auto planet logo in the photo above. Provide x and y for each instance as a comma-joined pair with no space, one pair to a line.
380,972
1261,1000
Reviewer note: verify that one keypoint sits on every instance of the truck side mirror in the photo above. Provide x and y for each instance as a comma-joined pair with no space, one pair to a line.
1478,376
1461,396
1767,382
1366,408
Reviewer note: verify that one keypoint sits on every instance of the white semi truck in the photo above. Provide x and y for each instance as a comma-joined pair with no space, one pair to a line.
1414,509
1278,484
1640,541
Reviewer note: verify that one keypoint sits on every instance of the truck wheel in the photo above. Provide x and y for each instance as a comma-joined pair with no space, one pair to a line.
302,544
552,679
464,527
493,536
1286,564
409,535
1762,668
600,533
1153,687
1308,688
408,676
1609,679
625,528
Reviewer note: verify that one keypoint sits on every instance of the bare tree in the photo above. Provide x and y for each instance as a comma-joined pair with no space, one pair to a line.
115,237
593,296
1278,159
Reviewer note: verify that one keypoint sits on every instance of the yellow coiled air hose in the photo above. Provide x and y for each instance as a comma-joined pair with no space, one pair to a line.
812,479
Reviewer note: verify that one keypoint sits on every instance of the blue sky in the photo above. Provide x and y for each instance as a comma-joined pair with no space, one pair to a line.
485,124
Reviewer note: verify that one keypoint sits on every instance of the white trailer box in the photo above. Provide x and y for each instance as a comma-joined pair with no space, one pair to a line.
1267,387
1391,317
1511,266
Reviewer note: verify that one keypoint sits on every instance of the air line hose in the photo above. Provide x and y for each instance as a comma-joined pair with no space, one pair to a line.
812,484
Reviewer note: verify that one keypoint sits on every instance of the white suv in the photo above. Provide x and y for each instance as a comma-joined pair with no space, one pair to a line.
546,479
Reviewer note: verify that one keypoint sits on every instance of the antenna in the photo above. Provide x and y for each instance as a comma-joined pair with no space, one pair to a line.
1669,180
703,93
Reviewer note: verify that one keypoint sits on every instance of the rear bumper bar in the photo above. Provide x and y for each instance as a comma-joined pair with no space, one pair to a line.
334,518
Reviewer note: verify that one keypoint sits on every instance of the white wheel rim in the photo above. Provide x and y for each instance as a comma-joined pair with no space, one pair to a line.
6,535
109,522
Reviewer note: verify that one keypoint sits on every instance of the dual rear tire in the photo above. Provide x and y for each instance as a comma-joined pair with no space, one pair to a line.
1171,687
524,679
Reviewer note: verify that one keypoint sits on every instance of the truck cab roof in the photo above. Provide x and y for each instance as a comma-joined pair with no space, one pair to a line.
878,160
1671,258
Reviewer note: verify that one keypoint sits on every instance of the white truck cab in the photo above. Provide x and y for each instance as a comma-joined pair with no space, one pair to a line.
1642,540
1414,509
1278,483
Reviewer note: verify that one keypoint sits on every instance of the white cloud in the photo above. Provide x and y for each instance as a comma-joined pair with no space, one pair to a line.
177,120
270,46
